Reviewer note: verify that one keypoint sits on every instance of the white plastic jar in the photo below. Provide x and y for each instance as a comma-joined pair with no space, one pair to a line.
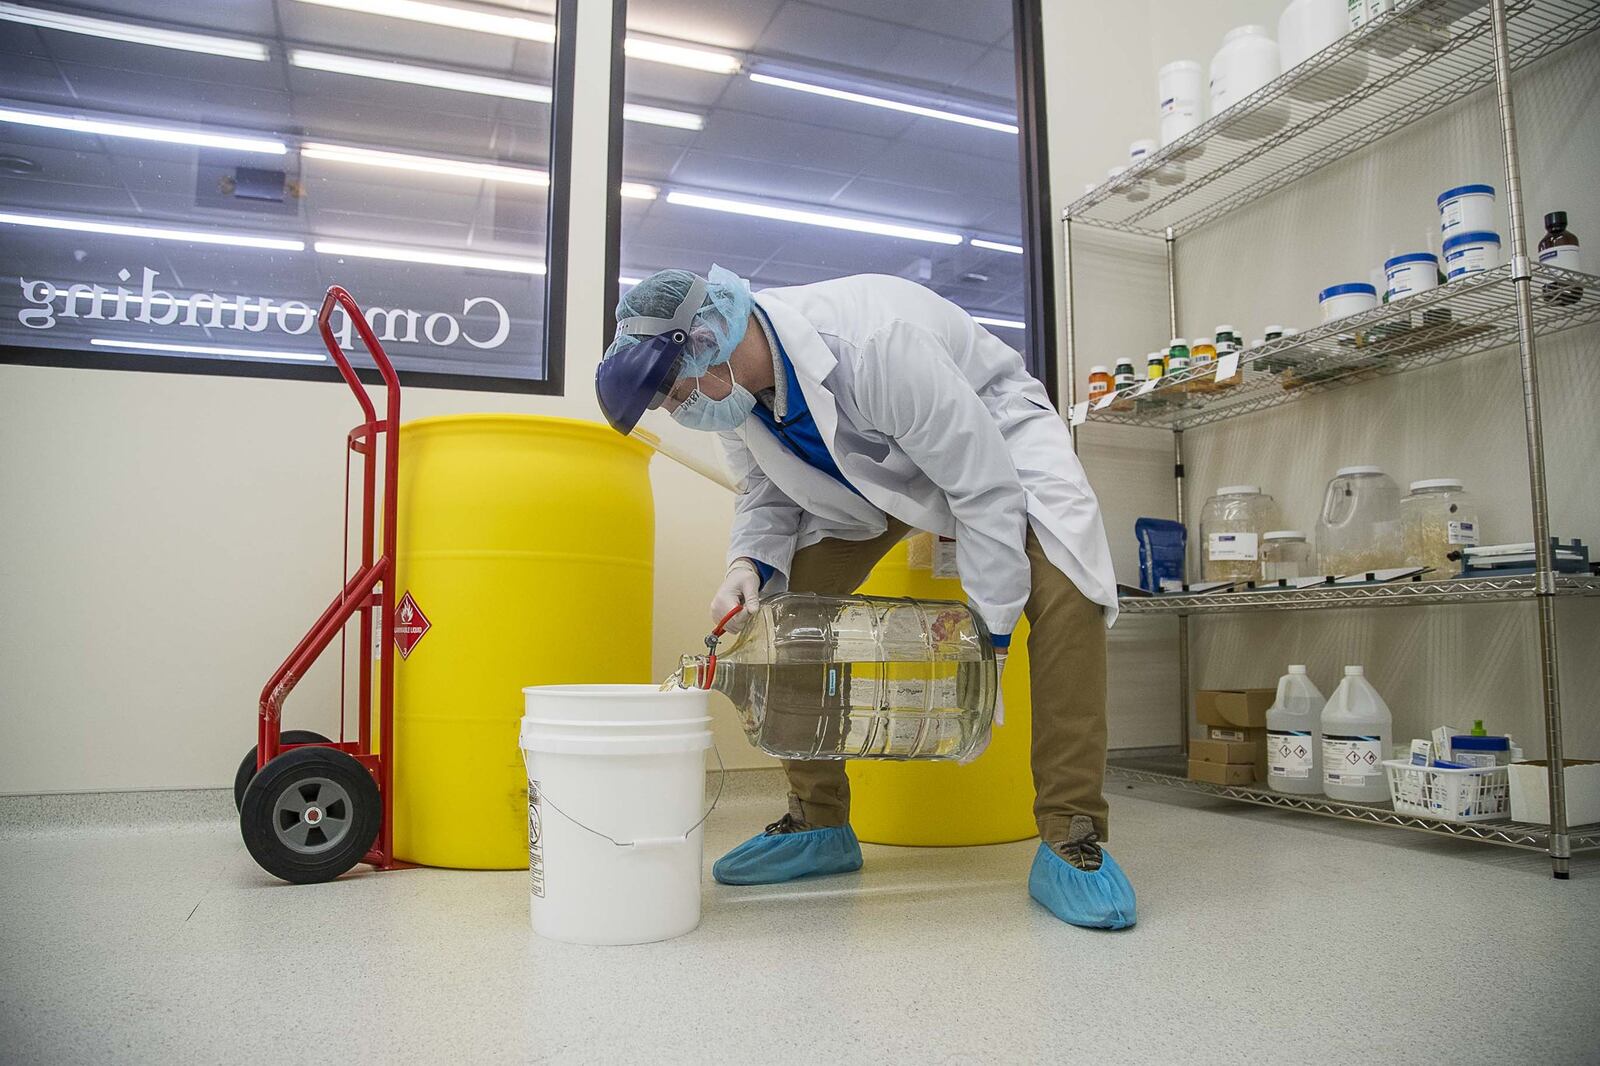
1351,298
1285,555
1178,93
1305,28
1466,209
1470,253
1232,525
1247,60
1409,273
1437,518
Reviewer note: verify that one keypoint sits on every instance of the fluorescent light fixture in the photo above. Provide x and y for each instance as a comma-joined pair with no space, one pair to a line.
456,168
209,349
133,33
424,164
399,254
623,279
1004,323
662,116
155,233
811,218
482,84
995,246
677,55
532,29
460,18
167,134
883,102
432,77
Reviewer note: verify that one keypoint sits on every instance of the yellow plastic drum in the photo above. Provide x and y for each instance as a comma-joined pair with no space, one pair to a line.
940,804
526,557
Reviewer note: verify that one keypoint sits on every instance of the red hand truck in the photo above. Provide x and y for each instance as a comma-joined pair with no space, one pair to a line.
310,808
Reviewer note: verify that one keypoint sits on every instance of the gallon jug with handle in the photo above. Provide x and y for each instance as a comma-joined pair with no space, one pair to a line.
856,677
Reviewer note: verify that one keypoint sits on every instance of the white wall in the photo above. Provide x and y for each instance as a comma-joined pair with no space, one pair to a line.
1266,264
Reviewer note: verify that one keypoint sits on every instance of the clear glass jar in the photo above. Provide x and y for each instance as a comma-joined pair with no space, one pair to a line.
1359,528
1285,555
1437,518
1232,525
856,677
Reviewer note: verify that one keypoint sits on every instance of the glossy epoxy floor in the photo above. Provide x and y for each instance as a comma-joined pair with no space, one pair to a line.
1263,937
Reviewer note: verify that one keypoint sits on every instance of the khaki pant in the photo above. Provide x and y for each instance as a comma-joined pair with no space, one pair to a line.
1067,679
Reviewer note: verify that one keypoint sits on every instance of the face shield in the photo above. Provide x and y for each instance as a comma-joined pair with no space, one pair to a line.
637,378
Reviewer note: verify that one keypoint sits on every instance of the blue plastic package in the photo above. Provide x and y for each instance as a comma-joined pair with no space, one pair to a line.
1162,543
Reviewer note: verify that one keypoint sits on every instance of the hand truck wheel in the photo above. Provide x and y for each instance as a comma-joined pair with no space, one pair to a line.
247,768
310,815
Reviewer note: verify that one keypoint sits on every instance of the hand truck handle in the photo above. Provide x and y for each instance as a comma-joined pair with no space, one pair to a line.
338,295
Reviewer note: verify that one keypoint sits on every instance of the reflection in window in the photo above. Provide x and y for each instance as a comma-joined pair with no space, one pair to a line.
191,188
855,136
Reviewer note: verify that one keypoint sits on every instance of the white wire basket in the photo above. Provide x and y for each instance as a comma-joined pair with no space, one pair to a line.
1475,794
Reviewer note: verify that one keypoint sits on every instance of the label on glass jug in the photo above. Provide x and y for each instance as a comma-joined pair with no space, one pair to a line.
1350,760
1462,533
944,558
1233,546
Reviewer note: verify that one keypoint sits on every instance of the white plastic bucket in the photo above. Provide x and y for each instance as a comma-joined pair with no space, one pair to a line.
616,794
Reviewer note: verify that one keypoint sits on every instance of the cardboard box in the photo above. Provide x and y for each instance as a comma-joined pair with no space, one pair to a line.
1224,751
1235,708
1218,773
1530,791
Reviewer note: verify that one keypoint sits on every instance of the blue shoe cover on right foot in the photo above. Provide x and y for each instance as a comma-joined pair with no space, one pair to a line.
771,858
1101,899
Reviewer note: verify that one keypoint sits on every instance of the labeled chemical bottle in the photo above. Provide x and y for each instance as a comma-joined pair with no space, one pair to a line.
1203,365
1559,248
1177,357
1232,525
1294,736
1155,366
1099,383
1124,379
1228,342
1285,555
1437,519
856,677
1357,735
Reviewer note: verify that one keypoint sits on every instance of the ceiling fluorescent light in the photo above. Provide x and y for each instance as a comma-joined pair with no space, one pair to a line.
638,190
623,279
399,254
424,164
155,233
1005,323
132,33
677,55
461,18
811,218
307,356
883,102
169,135
995,246
661,116
482,84
432,77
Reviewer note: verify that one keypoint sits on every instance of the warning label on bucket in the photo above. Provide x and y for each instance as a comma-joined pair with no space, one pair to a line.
410,625
535,842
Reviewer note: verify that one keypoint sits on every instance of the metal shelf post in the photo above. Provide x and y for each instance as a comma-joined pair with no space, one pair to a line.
1533,425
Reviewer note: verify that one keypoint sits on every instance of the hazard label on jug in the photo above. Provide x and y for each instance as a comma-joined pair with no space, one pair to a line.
410,625
535,842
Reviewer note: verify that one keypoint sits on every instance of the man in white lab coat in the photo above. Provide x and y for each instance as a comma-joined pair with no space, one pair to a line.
854,411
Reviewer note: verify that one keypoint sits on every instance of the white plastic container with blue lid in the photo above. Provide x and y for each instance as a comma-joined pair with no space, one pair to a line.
1409,273
1466,209
1470,253
1337,301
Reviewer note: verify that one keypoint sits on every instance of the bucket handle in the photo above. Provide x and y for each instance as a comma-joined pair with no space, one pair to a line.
651,842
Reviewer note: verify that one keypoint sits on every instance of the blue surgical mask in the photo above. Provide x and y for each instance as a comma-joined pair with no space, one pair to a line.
699,411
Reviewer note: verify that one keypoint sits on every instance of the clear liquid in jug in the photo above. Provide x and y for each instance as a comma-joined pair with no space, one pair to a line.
857,677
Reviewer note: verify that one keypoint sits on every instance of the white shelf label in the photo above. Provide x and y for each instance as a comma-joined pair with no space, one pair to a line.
1147,386
1105,401
1079,414
1228,366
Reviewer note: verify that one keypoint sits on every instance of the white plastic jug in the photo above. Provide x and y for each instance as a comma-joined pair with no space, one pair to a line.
1357,736
616,787
1294,735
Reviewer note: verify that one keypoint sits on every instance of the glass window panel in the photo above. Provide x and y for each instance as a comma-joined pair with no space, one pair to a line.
875,111
187,180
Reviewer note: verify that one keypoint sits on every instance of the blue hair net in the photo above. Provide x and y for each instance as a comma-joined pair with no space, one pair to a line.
718,325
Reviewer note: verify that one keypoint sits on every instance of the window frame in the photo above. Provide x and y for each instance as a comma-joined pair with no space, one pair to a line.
556,278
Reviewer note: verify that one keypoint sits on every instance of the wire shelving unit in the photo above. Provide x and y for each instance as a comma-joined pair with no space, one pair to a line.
1403,66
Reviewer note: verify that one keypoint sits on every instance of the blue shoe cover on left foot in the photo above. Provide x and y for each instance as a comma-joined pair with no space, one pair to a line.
1101,899
774,857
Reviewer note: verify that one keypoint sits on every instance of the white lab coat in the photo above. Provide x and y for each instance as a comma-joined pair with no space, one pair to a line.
937,423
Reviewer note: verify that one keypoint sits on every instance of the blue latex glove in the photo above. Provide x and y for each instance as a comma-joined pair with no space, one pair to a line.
1102,899
774,857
